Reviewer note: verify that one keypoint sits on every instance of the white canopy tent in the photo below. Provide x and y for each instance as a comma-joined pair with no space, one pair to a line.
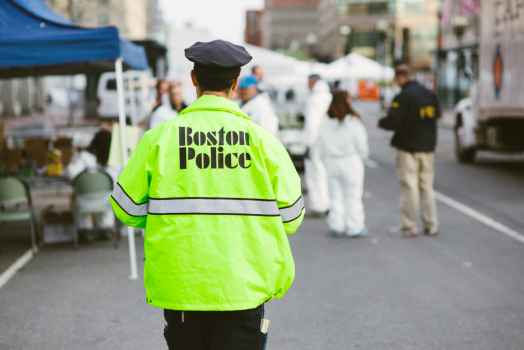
279,68
357,67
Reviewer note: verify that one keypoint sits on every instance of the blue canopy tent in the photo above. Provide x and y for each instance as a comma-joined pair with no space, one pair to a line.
35,41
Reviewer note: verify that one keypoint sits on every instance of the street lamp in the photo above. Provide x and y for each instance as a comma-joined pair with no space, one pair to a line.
459,24
345,31
382,47
311,41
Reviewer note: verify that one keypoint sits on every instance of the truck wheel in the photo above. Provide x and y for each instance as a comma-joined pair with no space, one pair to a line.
463,154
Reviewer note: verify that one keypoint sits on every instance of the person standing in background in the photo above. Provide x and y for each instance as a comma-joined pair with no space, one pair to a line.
343,147
101,142
413,119
259,74
257,104
162,92
162,111
176,97
315,112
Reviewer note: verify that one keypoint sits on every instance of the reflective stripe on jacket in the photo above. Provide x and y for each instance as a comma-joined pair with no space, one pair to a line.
217,195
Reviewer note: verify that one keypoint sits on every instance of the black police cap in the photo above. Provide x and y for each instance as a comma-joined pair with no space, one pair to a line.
218,54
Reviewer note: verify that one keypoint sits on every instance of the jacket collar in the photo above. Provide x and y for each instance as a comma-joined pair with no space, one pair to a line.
216,104
409,84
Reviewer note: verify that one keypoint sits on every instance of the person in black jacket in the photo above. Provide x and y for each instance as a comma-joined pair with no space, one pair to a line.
413,119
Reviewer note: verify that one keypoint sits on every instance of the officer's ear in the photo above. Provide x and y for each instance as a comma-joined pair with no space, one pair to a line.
194,79
234,86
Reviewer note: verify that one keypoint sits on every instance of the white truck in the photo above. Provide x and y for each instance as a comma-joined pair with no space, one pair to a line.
138,91
492,118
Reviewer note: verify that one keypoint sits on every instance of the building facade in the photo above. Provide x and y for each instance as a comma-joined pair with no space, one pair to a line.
457,55
390,30
416,32
254,31
308,25
384,30
368,25
135,19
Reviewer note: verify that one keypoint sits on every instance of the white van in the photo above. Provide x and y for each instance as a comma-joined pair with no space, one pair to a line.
139,95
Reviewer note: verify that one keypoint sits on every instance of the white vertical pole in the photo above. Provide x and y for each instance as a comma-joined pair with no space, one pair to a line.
123,145
144,89
130,84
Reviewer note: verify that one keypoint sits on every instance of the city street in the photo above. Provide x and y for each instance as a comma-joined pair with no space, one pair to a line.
461,290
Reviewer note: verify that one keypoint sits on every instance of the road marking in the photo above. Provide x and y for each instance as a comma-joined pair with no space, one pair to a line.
482,218
472,213
370,163
17,265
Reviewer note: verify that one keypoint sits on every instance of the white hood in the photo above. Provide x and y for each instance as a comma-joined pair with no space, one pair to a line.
321,87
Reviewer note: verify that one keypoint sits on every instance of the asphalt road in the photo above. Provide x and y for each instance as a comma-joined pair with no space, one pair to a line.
461,290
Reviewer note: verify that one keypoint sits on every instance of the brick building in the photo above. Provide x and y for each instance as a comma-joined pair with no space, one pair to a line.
254,32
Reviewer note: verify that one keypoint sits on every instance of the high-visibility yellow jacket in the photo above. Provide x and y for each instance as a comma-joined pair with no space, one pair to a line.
217,195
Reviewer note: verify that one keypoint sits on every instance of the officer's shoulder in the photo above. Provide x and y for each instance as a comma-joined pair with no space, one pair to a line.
261,135
156,132
419,88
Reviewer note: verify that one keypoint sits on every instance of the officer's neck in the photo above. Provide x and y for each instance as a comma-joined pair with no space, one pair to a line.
225,94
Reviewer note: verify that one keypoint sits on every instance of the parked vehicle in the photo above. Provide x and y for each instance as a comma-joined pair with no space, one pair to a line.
492,118
138,93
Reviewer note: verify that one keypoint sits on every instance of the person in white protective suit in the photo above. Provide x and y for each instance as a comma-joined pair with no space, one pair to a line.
163,110
343,147
315,173
257,104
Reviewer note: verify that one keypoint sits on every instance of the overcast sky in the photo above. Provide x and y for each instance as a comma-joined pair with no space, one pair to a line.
224,18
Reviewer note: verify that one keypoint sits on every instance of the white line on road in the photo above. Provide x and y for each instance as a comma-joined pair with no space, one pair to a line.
484,219
17,265
370,163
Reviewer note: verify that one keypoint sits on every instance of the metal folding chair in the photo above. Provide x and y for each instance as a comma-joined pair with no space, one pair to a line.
16,204
92,189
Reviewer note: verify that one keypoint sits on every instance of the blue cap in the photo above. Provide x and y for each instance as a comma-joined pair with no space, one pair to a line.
248,81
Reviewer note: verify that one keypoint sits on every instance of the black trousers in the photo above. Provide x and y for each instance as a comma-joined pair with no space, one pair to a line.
215,330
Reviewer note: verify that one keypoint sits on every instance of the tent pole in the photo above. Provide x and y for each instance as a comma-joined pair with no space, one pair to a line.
123,145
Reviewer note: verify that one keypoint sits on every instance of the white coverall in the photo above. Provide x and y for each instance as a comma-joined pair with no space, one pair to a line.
343,147
261,111
315,174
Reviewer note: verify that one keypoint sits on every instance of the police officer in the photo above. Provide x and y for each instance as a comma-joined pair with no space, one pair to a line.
217,195
413,119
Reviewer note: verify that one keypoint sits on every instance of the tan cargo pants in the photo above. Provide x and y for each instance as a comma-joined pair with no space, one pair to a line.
416,173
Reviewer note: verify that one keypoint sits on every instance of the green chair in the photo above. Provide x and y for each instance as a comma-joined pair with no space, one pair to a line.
91,189
16,204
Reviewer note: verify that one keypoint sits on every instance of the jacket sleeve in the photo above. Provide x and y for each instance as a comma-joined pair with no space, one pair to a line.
316,109
392,120
286,185
131,193
438,107
361,141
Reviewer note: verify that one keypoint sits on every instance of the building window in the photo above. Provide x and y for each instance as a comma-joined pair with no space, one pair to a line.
356,8
415,7
378,8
